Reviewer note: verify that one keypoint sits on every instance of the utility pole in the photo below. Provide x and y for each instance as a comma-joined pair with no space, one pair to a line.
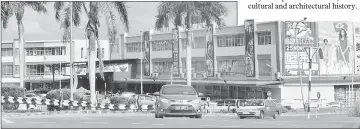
141,62
71,57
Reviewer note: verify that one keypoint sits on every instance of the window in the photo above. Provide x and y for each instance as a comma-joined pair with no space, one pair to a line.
230,40
44,69
162,67
264,38
17,69
6,52
199,42
41,51
102,52
178,90
133,47
197,66
7,70
265,67
162,45
231,67
82,52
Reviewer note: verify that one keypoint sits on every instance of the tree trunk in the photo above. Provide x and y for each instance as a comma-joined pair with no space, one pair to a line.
92,66
21,52
188,51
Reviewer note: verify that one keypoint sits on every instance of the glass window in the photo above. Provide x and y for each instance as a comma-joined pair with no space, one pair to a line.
162,67
6,52
230,40
178,90
264,38
133,47
7,70
162,45
265,67
231,67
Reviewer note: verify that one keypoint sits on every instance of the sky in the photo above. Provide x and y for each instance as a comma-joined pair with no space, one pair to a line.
39,26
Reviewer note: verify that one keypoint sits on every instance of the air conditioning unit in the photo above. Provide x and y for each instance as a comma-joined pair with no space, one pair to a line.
193,75
218,75
182,75
204,75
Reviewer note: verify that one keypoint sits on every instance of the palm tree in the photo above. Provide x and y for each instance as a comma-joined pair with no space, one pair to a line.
186,14
8,9
113,11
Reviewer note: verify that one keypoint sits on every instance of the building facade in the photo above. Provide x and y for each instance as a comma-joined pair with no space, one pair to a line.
46,62
277,45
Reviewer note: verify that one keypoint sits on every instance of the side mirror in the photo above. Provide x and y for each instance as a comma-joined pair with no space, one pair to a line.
156,94
201,94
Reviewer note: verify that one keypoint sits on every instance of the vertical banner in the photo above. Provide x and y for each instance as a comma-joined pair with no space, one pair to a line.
146,51
250,48
357,47
209,50
298,35
175,52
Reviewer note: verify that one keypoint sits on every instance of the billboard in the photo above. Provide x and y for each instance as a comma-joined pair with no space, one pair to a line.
298,35
146,52
209,50
357,47
336,42
175,52
250,59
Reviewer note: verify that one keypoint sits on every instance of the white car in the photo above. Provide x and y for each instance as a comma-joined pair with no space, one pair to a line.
333,104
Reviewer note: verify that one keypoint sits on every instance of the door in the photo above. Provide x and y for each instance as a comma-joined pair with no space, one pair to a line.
273,107
267,111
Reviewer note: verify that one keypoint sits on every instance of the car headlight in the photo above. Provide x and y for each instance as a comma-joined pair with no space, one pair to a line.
165,100
196,101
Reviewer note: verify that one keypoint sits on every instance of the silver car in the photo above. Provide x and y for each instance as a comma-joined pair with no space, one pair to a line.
178,100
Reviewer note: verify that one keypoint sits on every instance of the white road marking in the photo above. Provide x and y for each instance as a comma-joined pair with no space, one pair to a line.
93,122
220,126
7,121
135,123
157,124
35,122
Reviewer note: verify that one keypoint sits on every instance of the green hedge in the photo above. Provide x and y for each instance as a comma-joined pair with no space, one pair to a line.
12,91
122,100
55,94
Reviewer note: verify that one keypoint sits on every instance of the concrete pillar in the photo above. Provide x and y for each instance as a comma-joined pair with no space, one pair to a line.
122,47
215,50
151,51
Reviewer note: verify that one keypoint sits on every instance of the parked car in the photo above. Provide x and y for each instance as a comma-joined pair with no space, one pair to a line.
333,104
178,100
258,108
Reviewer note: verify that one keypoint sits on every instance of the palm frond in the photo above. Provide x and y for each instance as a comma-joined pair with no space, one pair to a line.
58,6
37,6
6,13
122,11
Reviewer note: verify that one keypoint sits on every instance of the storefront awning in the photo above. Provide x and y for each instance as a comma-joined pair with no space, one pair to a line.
338,80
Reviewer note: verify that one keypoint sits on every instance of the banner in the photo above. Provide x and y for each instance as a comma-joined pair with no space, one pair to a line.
146,51
357,47
298,35
336,42
250,59
209,50
175,52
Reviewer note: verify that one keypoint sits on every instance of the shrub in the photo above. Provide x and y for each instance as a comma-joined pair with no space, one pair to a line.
55,94
355,110
118,100
12,91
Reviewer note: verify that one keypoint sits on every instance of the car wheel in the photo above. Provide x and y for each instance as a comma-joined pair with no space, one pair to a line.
261,116
156,115
276,115
198,116
242,117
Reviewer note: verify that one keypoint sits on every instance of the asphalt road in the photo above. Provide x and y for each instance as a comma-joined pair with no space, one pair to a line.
148,121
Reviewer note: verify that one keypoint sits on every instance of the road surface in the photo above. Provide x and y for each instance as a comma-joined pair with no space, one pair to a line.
148,121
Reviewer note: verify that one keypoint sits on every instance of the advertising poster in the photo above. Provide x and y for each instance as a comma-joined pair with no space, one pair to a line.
297,36
146,51
336,42
250,48
357,47
209,51
175,52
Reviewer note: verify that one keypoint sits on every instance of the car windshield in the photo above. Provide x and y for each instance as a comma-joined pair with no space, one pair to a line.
251,102
178,90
